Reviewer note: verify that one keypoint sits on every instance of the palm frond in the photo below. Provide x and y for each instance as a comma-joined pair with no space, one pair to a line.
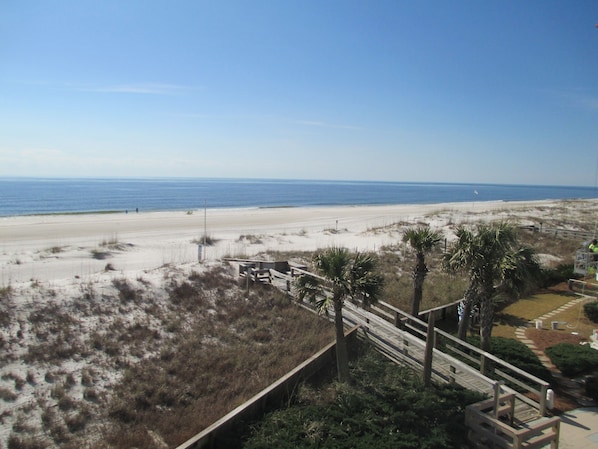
308,287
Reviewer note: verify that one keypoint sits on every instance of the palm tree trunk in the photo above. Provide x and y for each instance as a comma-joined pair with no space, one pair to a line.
417,297
486,322
419,275
468,302
342,355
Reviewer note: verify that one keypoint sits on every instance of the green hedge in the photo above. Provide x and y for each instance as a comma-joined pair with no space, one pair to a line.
592,387
516,353
590,310
572,359
554,276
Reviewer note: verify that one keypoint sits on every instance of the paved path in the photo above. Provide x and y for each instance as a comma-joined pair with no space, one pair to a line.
579,429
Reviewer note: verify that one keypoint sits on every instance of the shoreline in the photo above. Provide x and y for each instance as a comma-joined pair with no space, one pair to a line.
278,207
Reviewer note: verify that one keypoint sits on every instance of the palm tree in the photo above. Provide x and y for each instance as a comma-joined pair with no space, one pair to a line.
342,275
495,263
422,239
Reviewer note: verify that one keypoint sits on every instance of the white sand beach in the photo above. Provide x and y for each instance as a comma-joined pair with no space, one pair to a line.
51,247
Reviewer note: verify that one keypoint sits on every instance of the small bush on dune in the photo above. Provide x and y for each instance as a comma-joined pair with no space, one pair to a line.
7,395
187,295
5,292
126,291
214,279
17,442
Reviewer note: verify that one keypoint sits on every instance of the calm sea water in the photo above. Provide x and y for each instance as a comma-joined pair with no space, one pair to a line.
24,196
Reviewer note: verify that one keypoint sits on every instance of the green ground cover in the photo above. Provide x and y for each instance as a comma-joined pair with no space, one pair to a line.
385,406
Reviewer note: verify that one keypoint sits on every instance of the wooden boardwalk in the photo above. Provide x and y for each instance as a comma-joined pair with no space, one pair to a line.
515,414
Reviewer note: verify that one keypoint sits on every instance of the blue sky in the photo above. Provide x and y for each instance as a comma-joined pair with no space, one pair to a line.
401,90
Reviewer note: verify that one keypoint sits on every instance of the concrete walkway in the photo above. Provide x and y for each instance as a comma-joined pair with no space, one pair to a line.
579,427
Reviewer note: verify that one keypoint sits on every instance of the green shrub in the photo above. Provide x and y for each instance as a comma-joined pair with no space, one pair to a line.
592,387
385,406
572,359
590,310
561,273
516,353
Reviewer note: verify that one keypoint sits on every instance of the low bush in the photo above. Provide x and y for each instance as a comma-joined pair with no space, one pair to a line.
5,292
126,291
590,310
573,360
17,442
554,276
516,353
592,387
7,395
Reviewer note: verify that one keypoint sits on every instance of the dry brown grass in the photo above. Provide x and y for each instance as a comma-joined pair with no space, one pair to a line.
208,370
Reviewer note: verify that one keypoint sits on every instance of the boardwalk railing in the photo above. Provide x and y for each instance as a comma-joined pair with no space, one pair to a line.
527,387
583,287
491,424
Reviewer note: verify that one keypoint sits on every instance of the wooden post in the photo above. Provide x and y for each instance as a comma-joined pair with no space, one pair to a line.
429,351
452,376
497,388
247,280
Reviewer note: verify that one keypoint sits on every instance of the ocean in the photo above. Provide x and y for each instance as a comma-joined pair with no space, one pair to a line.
28,196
